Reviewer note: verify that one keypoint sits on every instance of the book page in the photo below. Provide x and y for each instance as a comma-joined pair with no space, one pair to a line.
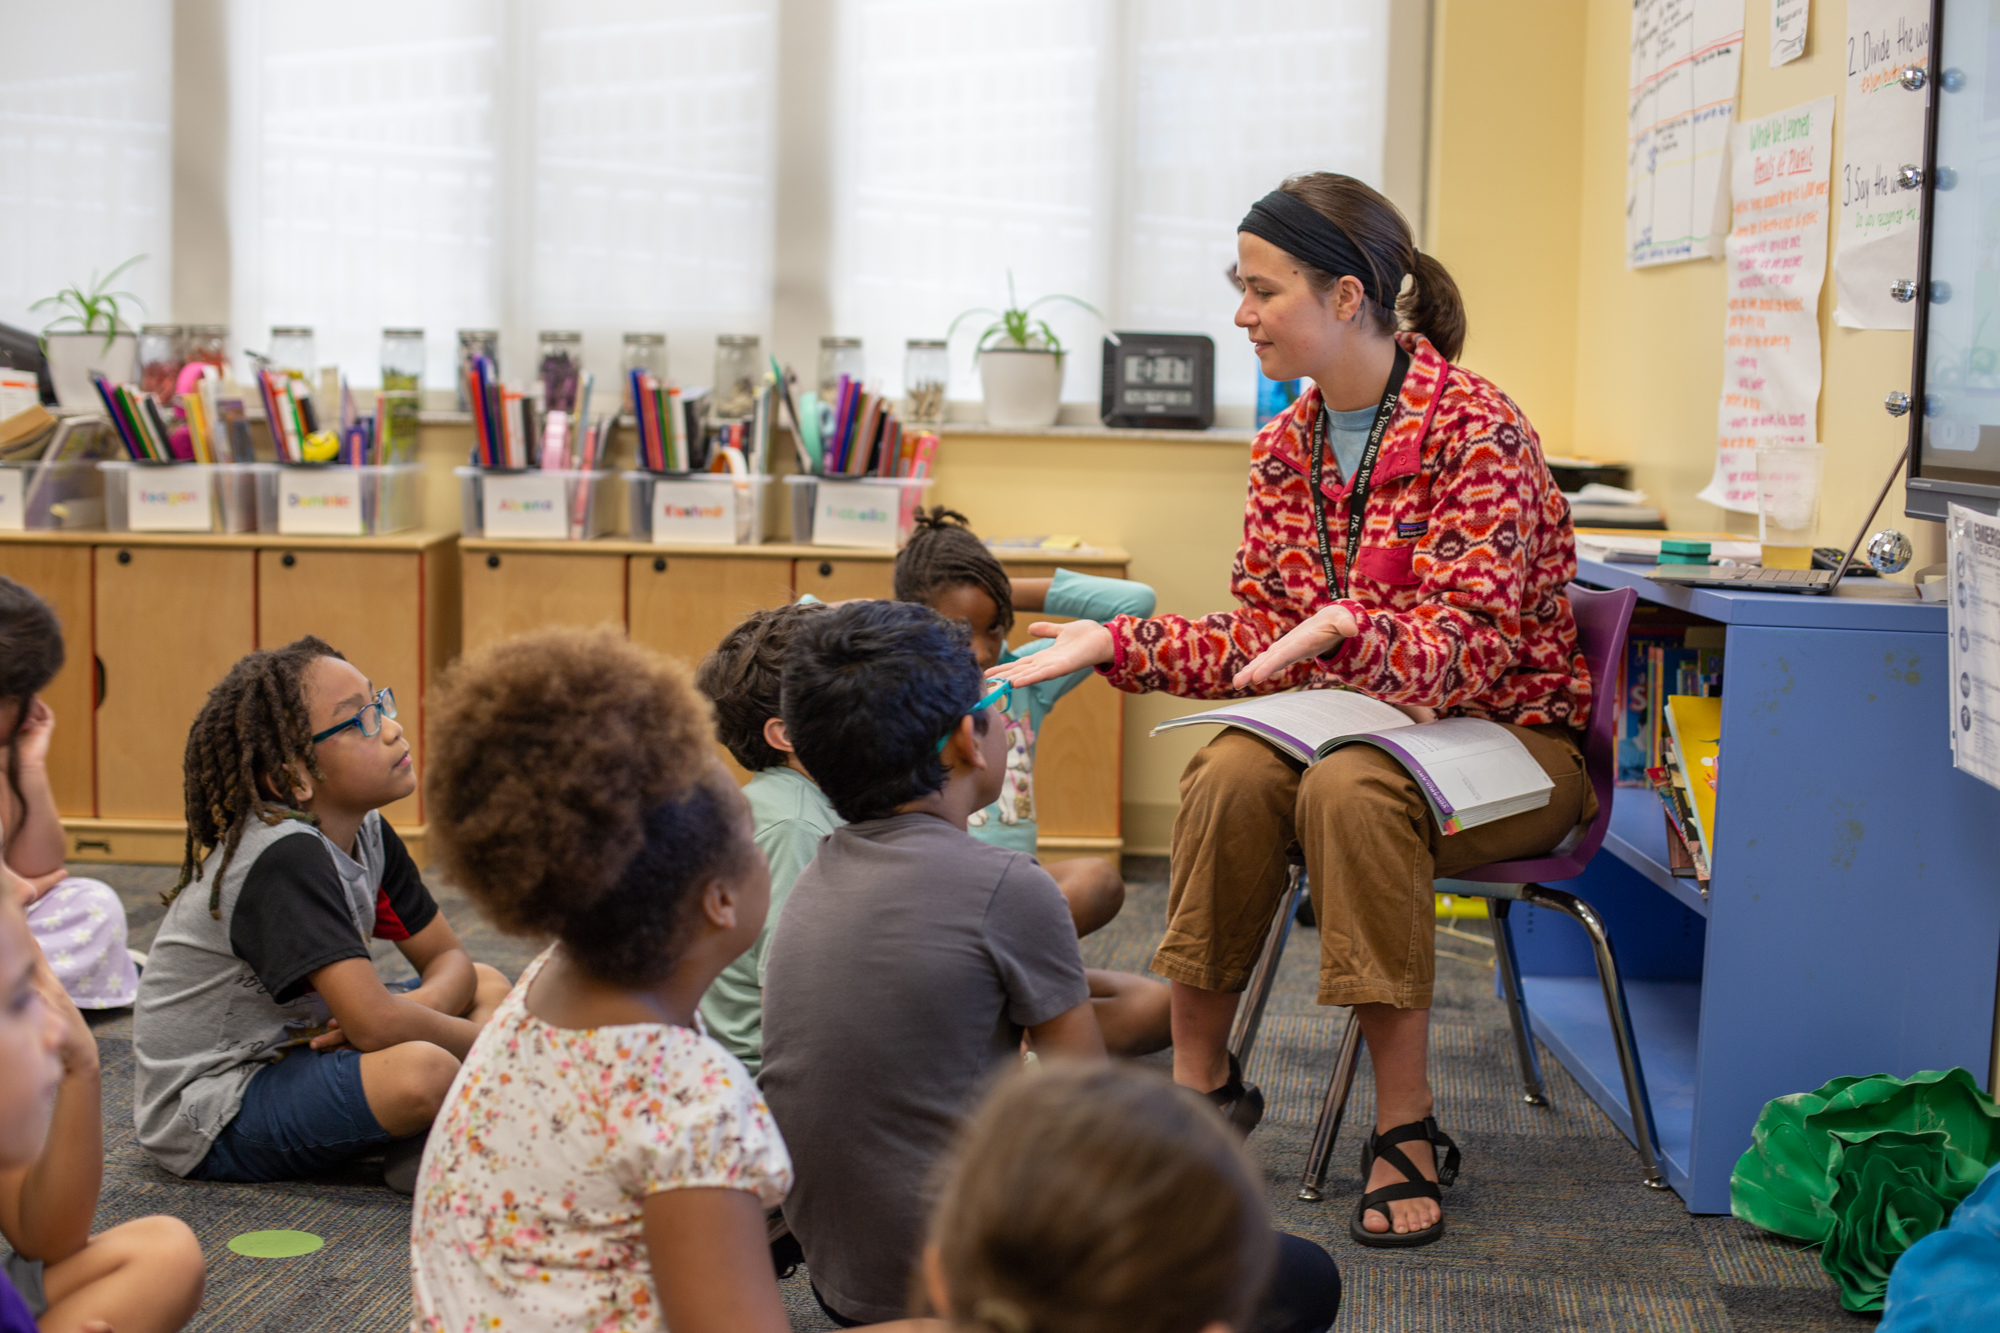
1301,721
1468,763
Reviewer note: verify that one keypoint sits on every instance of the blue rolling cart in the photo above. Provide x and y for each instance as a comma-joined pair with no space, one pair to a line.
1853,922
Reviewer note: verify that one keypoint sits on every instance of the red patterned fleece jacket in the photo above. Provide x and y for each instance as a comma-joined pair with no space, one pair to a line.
1458,586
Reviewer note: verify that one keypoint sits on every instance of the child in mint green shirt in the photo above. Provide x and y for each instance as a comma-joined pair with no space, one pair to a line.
789,813
946,567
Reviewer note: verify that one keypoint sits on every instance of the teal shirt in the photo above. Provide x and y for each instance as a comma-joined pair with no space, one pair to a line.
790,815
1010,821
1347,436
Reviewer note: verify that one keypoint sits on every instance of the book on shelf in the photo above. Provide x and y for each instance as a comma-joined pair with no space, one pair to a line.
1696,727
1683,844
1660,660
1470,770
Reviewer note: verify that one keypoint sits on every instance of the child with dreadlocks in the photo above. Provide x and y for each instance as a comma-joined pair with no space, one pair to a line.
947,568
266,1045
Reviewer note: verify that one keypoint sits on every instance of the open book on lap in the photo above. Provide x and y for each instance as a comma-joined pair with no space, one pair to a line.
1470,770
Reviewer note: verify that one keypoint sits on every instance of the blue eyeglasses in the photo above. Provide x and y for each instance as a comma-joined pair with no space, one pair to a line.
369,720
1003,691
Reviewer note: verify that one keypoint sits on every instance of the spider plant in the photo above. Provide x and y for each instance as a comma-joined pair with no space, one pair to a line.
1016,324
92,308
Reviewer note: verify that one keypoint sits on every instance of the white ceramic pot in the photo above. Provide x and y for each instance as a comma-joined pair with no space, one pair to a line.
72,356
1023,386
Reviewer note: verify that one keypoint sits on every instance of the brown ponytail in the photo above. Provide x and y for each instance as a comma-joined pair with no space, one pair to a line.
1431,305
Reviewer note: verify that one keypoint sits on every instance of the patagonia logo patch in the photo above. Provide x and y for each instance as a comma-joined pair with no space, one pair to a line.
1414,529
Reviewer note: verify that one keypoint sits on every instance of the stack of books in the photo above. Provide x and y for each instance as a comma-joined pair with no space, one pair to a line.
1686,784
855,432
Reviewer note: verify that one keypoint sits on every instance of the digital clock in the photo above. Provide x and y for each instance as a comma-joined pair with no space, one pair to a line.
1163,380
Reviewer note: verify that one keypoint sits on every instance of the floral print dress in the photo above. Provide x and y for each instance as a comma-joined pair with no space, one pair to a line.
530,1207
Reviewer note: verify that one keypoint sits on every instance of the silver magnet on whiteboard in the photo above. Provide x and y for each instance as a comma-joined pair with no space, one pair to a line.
1910,177
1903,289
1911,77
1897,404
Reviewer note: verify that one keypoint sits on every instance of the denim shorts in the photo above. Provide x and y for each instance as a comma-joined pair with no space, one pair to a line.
300,1115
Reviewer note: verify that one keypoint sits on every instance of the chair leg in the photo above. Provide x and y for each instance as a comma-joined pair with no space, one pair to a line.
1250,1013
1645,1132
1517,1009
1332,1111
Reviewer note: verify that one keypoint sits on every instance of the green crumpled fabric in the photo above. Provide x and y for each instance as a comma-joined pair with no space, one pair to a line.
1866,1167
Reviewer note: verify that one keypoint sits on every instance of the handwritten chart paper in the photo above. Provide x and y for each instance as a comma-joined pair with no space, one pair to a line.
1972,573
1788,30
1779,170
1685,55
1884,131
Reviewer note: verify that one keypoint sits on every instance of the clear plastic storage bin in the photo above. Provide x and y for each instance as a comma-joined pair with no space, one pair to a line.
710,507
190,497
550,504
39,497
855,511
341,500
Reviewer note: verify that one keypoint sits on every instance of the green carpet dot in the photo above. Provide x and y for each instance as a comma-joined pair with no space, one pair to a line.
275,1244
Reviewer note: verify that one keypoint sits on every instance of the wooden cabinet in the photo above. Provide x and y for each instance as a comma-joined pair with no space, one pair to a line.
61,576
159,620
367,604
507,590
681,600
170,622
682,605
836,578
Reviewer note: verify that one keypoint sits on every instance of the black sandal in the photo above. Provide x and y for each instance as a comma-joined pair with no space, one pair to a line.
1414,1186
1242,1104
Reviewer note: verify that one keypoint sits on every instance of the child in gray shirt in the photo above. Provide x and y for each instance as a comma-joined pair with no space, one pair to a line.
911,958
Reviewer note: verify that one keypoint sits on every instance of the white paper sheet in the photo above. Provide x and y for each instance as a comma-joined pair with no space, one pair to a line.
1779,174
1788,30
1972,573
1883,132
1685,57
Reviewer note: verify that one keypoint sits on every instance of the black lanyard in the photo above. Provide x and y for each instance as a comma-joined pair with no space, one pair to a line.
1364,475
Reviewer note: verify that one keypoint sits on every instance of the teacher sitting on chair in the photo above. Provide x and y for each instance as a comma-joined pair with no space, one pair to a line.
1402,537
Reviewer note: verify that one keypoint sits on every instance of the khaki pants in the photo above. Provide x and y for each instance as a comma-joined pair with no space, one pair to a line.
1371,847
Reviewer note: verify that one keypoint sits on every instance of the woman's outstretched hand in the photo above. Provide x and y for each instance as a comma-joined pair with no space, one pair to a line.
1079,644
1311,637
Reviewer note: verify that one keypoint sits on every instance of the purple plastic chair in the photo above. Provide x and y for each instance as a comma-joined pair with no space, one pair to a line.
1602,619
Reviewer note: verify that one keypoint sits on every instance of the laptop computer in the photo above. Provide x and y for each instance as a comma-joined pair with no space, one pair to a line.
1753,578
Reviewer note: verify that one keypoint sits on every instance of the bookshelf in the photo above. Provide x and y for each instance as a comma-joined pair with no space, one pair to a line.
1852,923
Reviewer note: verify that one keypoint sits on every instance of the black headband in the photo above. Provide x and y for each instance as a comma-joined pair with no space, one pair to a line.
1306,234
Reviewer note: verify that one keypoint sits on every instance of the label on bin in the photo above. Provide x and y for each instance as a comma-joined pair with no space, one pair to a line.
319,502
171,499
695,511
852,513
12,516
524,504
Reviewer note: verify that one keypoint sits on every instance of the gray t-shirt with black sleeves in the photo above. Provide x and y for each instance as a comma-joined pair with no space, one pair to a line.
222,996
909,958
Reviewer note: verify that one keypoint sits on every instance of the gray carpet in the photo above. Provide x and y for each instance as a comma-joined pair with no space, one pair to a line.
1550,1229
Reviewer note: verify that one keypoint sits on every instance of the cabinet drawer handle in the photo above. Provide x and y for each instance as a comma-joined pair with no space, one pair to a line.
98,702
93,845
659,564
124,557
288,560
825,570
493,562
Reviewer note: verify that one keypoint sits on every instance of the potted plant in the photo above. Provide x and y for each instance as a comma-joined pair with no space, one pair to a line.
1020,361
101,341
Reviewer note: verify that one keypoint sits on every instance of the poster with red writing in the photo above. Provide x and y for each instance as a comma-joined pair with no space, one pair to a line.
1779,169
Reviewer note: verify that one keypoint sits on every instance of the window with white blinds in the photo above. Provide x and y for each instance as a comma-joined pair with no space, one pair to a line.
1104,149
603,166
85,162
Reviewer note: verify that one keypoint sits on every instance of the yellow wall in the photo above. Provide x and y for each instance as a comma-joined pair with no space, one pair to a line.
1522,132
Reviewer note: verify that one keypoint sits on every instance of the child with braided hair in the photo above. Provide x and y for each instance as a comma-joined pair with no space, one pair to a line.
266,1044
946,567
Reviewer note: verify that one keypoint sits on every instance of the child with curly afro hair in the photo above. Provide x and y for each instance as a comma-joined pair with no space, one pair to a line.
600,1163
